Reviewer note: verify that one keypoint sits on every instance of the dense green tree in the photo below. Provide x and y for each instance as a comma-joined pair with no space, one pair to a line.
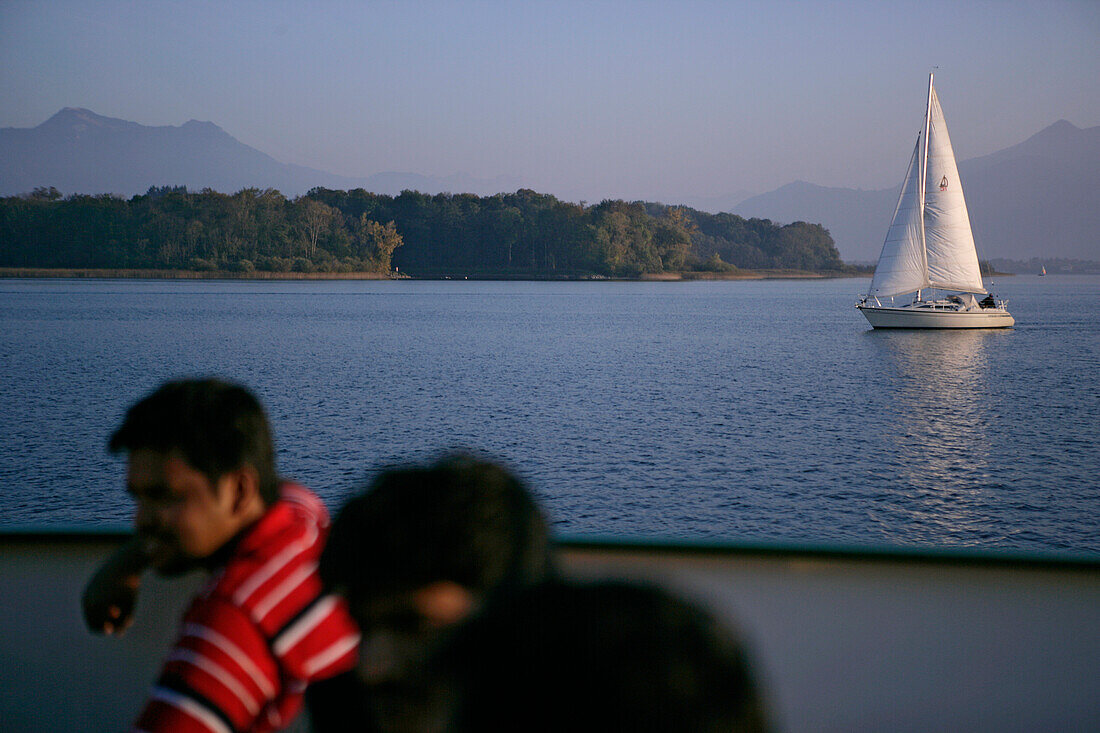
374,243
521,234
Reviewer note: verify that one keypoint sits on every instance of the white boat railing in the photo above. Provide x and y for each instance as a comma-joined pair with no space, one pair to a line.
842,640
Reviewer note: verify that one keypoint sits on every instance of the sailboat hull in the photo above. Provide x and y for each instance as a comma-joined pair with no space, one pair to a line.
909,317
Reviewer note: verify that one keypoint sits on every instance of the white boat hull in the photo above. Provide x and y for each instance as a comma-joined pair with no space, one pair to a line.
907,317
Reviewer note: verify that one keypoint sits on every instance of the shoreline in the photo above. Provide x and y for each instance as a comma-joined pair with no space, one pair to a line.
140,274
92,273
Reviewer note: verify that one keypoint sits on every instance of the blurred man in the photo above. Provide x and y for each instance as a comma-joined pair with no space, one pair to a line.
421,550
201,471
602,656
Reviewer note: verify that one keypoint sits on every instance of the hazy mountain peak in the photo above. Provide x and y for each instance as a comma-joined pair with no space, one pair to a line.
201,126
76,112
799,185
1061,144
79,151
78,118
1061,126
1060,130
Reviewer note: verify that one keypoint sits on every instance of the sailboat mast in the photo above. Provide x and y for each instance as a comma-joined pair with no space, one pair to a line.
924,175
924,152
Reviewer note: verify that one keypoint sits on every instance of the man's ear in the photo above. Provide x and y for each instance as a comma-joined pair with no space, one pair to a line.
244,482
444,602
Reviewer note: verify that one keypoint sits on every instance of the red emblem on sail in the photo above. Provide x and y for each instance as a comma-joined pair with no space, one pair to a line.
943,183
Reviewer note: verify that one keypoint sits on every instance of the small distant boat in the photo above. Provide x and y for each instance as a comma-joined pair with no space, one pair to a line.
929,246
1042,271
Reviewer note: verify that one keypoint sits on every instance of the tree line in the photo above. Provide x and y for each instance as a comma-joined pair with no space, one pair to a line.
521,234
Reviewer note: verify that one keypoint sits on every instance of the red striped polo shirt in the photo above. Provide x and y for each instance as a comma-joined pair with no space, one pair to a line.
258,633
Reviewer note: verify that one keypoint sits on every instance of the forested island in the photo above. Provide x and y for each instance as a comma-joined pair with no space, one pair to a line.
520,235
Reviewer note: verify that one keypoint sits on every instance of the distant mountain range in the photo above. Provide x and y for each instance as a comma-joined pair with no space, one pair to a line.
78,151
1038,198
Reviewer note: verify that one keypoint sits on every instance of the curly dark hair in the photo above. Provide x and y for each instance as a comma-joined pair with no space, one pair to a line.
462,519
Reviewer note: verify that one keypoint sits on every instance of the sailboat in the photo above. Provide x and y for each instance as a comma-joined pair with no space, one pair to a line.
929,249
1042,271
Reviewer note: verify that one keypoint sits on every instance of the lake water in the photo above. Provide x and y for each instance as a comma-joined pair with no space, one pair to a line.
752,411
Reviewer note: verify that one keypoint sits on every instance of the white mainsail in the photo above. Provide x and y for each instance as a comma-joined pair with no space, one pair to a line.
948,238
929,242
901,267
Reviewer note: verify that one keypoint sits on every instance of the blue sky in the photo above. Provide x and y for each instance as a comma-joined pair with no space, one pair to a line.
586,100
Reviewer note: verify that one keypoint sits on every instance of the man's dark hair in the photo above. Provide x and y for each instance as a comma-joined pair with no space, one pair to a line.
605,655
216,426
461,519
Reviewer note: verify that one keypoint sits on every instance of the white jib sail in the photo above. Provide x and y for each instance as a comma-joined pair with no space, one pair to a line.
949,240
901,266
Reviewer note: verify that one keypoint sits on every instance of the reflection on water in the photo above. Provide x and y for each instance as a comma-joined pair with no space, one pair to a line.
941,427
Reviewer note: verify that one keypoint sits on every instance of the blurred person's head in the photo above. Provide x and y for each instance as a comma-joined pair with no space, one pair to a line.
609,655
200,467
422,549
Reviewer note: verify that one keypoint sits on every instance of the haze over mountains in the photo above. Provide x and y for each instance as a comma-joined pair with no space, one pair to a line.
1038,198
78,151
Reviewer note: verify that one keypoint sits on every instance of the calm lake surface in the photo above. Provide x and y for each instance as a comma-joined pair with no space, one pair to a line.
752,411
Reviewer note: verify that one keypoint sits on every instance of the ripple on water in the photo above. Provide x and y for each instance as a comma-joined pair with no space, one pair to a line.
654,410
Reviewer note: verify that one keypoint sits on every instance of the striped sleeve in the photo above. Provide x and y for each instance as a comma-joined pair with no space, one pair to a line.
319,642
219,677
306,501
